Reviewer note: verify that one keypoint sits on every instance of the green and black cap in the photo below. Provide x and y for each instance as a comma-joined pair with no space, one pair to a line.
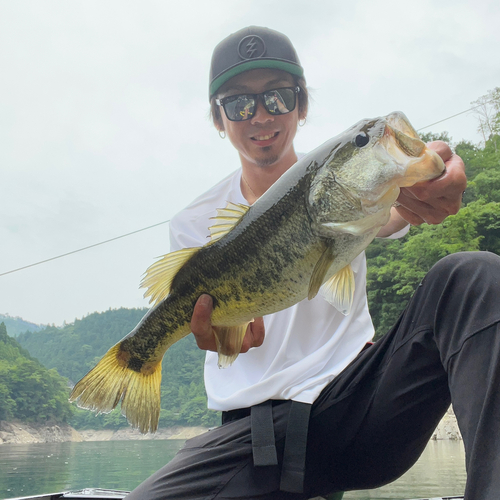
252,48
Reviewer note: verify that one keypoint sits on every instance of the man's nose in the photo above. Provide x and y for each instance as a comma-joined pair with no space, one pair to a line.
261,115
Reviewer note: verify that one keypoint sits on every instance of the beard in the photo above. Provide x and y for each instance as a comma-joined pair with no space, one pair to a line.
267,160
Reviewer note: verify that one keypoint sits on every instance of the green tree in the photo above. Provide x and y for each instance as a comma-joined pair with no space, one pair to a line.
28,391
7,404
395,268
433,136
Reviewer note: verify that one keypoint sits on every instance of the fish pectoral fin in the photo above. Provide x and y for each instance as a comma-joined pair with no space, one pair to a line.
158,277
112,381
226,219
339,290
319,272
360,226
229,340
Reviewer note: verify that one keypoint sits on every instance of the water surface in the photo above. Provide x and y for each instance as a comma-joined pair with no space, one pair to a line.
29,469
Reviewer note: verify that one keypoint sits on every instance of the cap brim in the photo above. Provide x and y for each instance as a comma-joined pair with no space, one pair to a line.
294,69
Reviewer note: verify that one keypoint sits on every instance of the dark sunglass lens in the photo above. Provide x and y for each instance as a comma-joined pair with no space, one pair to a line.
289,98
240,108
280,101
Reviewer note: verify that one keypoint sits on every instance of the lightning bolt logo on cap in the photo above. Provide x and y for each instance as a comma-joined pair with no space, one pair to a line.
251,47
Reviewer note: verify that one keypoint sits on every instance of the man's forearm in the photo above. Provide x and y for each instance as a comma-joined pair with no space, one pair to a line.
395,224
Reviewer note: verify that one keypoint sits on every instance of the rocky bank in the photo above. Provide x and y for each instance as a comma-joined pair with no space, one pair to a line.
448,427
129,433
18,433
21,433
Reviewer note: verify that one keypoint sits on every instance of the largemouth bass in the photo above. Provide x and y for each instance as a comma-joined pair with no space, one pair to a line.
297,239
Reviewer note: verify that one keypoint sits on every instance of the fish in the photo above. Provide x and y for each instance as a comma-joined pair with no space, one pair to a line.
297,240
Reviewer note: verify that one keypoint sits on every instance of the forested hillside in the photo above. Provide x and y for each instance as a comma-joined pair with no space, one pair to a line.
28,391
16,325
75,348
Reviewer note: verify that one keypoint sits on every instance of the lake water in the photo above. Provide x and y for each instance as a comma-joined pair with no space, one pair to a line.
45,468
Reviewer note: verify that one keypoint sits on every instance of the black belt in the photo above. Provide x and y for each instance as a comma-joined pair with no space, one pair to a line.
264,443
294,456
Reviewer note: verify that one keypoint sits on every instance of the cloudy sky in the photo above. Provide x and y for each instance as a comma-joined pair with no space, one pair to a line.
104,128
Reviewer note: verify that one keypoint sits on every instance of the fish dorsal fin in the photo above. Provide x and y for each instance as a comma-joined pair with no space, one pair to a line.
229,340
339,290
226,219
158,277
319,272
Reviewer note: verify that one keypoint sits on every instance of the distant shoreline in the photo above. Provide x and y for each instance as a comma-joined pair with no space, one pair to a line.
128,433
22,433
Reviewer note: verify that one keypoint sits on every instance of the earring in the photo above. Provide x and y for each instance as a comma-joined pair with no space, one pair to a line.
222,134
302,122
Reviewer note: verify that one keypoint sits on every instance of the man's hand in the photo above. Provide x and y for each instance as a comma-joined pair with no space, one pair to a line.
202,328
432,201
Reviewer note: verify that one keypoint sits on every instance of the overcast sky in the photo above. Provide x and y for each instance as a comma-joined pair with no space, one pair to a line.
104,128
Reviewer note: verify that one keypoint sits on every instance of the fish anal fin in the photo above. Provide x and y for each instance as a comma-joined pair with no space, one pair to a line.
158,277
111,381
226,219
339,290
229,340
319,272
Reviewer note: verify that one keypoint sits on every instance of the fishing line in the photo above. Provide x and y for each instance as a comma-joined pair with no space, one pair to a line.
164,222
453,116
84,248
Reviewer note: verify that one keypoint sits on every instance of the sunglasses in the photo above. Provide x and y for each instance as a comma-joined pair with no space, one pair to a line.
242,107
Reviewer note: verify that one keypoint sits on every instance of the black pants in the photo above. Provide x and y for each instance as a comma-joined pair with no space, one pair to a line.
373,421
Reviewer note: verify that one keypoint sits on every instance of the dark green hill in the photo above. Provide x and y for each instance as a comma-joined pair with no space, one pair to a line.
28,391
75,348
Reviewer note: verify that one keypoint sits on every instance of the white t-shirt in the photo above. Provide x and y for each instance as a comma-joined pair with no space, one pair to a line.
305,346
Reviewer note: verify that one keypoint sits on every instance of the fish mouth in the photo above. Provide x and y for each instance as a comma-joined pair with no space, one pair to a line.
402,142
400,122
411,146
399,130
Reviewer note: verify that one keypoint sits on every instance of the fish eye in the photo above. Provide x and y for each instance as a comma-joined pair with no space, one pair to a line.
361,139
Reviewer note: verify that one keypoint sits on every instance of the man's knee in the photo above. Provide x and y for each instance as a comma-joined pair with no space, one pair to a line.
467,265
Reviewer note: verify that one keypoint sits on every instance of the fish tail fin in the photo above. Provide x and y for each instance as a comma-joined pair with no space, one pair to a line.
112,381
229,340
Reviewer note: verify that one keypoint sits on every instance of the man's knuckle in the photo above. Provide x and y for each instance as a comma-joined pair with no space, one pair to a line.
436,218
424,195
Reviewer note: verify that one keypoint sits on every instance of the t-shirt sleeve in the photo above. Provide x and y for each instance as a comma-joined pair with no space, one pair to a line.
190,227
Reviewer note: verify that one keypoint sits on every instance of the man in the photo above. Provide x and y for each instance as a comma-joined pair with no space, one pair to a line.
310,409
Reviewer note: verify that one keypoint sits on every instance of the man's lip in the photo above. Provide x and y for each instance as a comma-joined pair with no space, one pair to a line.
259,139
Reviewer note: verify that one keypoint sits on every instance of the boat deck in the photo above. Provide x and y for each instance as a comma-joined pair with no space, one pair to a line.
102,494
